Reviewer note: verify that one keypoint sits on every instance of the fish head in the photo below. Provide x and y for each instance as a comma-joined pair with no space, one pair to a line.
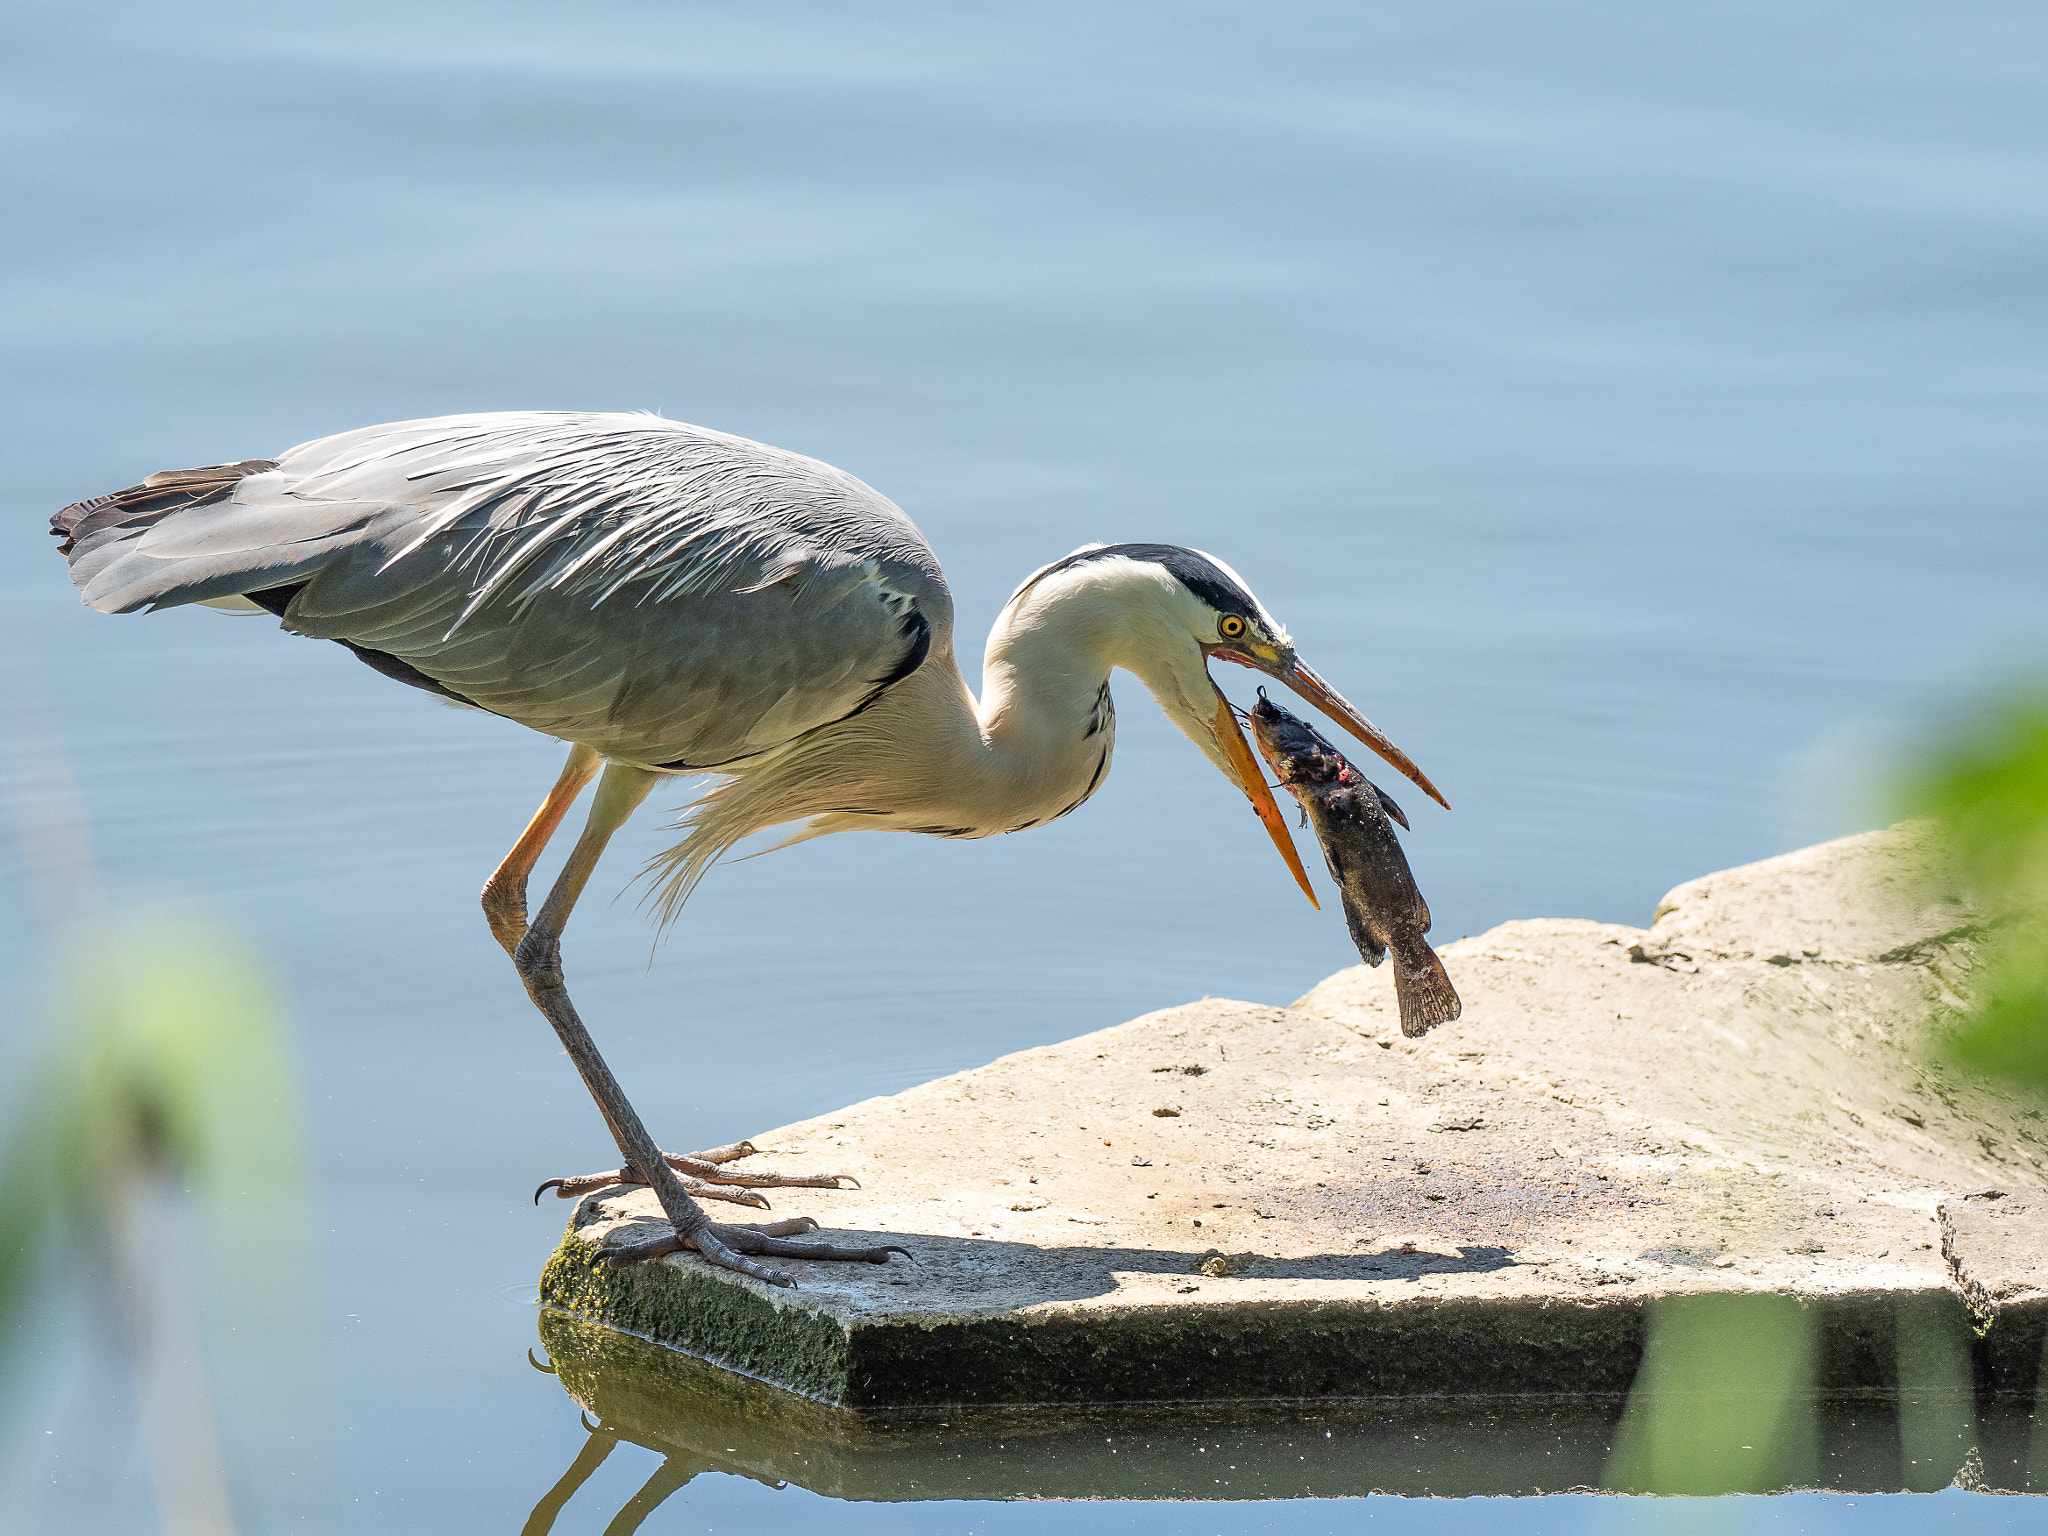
1294,749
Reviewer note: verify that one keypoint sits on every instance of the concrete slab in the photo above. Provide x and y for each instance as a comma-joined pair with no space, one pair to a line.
1232,1201
698,1418
1996,1245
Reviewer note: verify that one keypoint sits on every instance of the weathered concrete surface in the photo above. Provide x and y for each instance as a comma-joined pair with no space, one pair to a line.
1225,1200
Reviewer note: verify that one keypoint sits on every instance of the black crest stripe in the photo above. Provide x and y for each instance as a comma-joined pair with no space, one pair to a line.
1199,575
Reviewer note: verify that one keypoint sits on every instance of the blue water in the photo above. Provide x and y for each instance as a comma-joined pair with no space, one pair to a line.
1636,410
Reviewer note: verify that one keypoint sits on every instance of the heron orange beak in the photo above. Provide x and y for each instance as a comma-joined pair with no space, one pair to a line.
1302,678
1252,780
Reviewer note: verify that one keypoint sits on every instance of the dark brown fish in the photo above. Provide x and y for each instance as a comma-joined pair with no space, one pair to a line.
1351,816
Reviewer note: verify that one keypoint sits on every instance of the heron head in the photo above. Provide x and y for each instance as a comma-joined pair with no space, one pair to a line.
1184,607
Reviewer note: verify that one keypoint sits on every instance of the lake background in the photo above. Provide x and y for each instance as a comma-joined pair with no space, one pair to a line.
1639,414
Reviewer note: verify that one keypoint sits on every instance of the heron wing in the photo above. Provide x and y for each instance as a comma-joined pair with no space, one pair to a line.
665,593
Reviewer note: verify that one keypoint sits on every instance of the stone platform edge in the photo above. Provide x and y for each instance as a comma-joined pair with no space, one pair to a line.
1486,1347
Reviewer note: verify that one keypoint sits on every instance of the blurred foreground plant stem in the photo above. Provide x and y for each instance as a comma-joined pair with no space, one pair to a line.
166,1098
150,1270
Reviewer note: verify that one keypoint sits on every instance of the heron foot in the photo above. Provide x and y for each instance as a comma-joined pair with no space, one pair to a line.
705,1175
733,1247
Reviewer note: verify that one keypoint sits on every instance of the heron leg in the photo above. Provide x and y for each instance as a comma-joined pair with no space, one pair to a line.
538,955
505,891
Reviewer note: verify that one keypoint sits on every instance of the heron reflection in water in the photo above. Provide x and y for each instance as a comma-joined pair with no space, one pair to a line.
674,601
675,1472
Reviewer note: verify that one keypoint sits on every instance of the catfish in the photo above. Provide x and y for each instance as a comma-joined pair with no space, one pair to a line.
1353,820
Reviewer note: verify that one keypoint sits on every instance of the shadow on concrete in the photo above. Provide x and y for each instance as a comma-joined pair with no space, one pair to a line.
1390,1264
948,1271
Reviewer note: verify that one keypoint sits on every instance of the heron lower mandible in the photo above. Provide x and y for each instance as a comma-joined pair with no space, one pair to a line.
674,601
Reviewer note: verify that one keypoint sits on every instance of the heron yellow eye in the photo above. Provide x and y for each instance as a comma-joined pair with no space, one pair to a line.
1230,626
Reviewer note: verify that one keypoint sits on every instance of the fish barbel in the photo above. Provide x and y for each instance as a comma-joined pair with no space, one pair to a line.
1353,817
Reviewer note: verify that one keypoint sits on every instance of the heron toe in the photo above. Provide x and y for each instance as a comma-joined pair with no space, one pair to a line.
732,1247
590,1183
705,1175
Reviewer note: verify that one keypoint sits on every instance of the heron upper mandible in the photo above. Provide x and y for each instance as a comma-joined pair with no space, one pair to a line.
671,600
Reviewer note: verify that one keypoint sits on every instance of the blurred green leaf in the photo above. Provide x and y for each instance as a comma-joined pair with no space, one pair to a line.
167,1060
1986,788
1720,1402
40,1154
190,1046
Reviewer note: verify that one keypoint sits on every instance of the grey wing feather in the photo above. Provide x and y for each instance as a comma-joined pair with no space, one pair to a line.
665,593
189,536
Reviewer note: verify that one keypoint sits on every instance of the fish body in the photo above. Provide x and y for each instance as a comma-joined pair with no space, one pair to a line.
1353,821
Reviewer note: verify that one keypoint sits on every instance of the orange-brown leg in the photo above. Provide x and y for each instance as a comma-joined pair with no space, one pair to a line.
505,891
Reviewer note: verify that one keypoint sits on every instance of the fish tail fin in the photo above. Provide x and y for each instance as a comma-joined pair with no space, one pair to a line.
1426,995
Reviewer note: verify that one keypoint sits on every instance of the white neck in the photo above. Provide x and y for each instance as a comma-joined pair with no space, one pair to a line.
929,757
1044,723
1046,669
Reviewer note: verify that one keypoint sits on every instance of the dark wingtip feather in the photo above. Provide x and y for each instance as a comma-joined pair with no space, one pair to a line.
64,522
166,491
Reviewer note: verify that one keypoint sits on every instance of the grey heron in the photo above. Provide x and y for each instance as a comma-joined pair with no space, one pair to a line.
671,600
